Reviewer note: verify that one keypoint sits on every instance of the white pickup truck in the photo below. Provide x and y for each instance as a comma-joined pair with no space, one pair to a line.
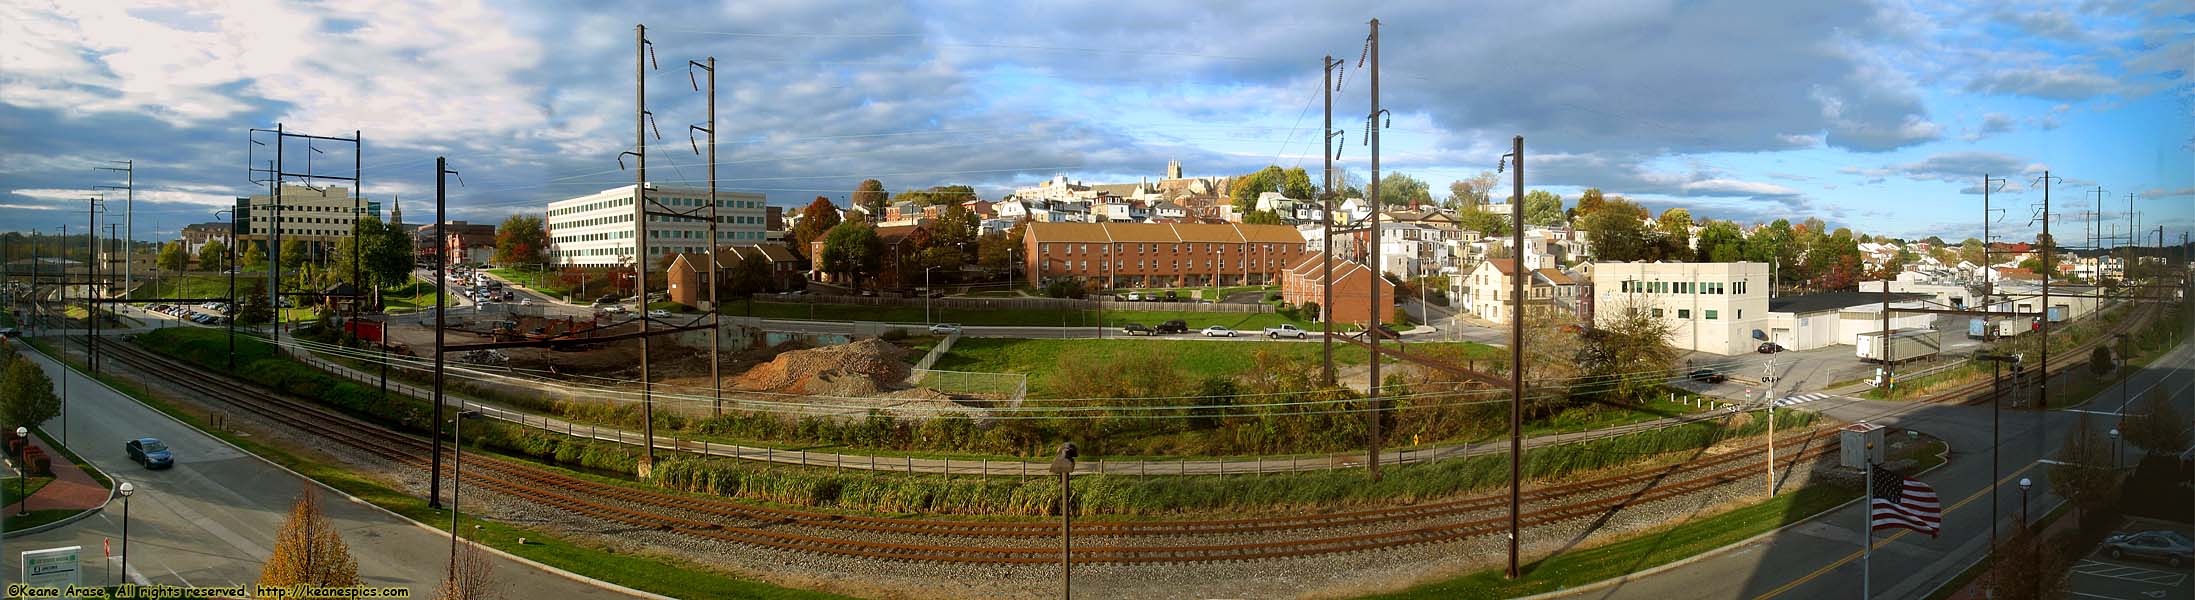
1286,331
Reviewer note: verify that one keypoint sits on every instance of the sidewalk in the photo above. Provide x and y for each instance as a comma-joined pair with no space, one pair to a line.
71,488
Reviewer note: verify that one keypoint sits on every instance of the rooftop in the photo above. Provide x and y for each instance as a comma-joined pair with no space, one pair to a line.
1826,301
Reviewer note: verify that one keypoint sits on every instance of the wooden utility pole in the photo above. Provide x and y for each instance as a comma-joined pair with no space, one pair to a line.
1372,330
1516,348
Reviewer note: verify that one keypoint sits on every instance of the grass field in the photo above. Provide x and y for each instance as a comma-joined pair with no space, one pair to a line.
1041,358
1023,318
10,494
188,285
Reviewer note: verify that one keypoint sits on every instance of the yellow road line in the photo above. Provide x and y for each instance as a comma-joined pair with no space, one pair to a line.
1886,540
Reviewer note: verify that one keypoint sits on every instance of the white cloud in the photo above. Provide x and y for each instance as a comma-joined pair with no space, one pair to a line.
1734,187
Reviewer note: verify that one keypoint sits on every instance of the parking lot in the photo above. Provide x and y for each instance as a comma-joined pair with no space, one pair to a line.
2101,577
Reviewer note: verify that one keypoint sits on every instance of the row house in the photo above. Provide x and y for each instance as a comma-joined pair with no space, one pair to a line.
1159,254
688,274
1491,285
1304,283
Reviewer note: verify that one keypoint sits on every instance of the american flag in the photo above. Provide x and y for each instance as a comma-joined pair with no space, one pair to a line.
1898,501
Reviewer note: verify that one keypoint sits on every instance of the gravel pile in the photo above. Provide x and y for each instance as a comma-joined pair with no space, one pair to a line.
857,369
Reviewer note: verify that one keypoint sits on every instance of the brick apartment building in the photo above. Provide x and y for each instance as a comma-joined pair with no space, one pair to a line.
1304,281
688,275
1160,254
464,242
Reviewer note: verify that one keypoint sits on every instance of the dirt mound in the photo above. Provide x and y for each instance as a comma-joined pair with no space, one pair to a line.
857,369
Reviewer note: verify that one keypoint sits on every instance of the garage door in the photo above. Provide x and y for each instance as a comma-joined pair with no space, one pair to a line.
1782,336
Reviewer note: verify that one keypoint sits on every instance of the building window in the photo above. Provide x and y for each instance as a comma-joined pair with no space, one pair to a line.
1657,313
1710,314
1684,313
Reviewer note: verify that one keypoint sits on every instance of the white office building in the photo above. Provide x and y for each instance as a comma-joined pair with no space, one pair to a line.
318,217
1711,307
597,229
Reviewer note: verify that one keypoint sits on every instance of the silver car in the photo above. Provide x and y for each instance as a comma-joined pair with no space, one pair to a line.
2168,547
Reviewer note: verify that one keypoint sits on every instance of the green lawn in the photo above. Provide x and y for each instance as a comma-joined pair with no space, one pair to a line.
187,285
1075,317
417,294
9,495
1652,548
550,283
1185,292
650,572
1040,359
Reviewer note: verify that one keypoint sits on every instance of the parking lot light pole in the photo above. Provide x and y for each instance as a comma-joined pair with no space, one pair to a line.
127,489
2115,448
22,478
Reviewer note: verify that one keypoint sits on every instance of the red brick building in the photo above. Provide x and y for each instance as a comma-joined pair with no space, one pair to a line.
1160,254
1304,282
688,275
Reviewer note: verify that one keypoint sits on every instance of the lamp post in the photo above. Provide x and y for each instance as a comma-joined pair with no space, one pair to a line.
457,477
22,479
2025,484
1064,466
127,489
1996,398
926,294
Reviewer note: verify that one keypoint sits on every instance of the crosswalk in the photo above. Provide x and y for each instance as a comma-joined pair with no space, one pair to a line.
1803,398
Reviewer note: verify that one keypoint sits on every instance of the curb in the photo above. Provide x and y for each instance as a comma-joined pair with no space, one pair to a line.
1673,565
80,515
356,500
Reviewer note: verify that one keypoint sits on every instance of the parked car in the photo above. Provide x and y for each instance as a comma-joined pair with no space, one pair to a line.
1172,297
1136,329
1217,331
1174,326
1134,297
150,452
1708,375
944,328
1286,330
1769,348
526,302
658,314
2168,547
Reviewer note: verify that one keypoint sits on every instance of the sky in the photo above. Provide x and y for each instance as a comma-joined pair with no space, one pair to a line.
1882,116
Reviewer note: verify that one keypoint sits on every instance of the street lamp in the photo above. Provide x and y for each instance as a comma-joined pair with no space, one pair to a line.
1996,398
457,477
1064,466
2025,484
926,294
127,489
22,479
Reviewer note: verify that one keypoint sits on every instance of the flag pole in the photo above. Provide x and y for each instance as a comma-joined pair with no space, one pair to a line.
1867,526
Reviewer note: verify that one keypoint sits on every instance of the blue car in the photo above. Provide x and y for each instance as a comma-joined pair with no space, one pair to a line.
151,453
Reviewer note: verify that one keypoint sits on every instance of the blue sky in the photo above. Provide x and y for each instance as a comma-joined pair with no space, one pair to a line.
1878,115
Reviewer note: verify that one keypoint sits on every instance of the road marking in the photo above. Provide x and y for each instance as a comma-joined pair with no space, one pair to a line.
1804,398
2135,574
2089,595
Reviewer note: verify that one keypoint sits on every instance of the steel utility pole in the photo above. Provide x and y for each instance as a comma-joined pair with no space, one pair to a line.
1372,330
1326,240
1768,397
129,216
716,308
640,239
1516,349
92,293
441,311
2042,396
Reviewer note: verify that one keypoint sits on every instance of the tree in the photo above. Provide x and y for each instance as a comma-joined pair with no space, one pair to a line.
293,253
26,394
2099,361
521,240
214,256
309,550
1486,223
1544,208
870,195
1293,183
1720,241
942,195
2026,568
955,230
1625,357
1460,195
172,257
253,309
1262,217
853,249
2157,426
1400,189
1617,234
1971,251
1676,231
2084,477
472,578
749,276
817,218
1590,202
255,257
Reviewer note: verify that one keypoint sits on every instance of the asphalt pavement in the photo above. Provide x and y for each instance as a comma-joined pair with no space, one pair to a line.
211,520
1821,557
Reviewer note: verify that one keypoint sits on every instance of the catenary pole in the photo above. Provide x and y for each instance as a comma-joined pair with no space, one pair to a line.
1372,331
441,310
1326,239
2042,397
640,240
1516,348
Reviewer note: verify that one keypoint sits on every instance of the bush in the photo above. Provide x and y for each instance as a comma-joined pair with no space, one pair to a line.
892,335
1065,288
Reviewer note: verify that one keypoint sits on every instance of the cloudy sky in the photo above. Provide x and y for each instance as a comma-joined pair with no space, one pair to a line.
1880,115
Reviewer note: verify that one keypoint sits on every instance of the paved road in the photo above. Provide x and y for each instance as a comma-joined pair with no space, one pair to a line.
211,520
1819,558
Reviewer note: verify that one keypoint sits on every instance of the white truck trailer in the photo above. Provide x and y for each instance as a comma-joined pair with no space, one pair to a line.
1904,345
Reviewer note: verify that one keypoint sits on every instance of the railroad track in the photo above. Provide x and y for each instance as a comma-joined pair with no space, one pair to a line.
765,527
1980,392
